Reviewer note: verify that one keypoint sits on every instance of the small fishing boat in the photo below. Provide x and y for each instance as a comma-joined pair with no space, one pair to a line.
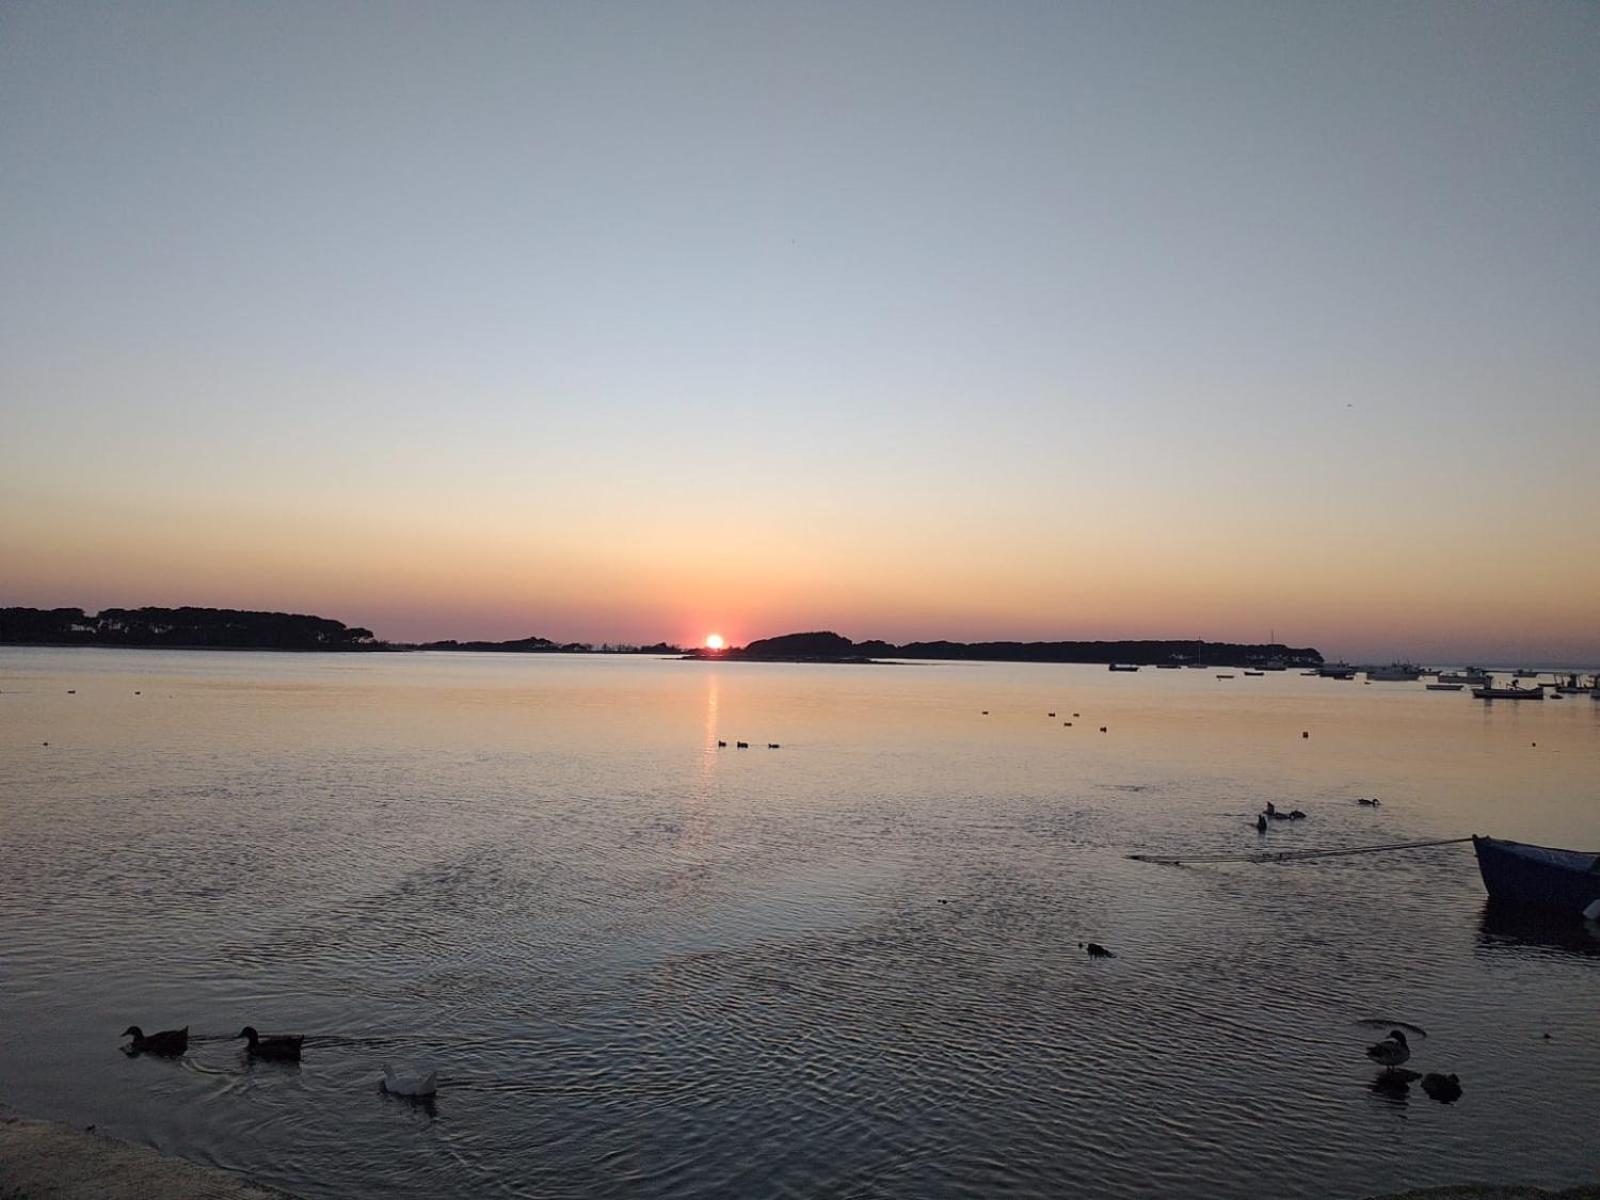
1445,687
1224,676
1124,667
1540,876
1490,692
1255,672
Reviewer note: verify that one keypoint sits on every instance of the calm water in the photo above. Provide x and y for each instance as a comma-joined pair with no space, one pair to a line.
646,966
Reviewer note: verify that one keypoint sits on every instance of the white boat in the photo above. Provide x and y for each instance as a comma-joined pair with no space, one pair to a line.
1473,675
1337,671
1573,685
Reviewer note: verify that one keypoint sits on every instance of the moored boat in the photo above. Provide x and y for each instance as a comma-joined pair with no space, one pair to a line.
1490,692
1540,876
1473,675
1124,667
1395,673
1445,687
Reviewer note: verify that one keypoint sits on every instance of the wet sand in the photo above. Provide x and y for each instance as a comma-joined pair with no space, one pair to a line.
40,1160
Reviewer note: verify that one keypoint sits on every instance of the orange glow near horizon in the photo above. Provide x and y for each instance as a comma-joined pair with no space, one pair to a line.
714,641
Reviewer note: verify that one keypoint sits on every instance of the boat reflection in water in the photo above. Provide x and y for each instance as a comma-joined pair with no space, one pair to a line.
1503,926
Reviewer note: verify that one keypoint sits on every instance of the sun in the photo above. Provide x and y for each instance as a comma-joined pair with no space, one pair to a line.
714,641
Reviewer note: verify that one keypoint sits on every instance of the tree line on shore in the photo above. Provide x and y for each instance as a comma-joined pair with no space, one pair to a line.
236,629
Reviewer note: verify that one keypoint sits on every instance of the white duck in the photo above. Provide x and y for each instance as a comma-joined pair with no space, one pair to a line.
1392,1051
416,1084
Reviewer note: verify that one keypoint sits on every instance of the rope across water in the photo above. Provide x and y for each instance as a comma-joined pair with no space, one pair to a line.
1276,856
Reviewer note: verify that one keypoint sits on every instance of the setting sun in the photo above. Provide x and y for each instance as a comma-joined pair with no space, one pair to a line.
714,641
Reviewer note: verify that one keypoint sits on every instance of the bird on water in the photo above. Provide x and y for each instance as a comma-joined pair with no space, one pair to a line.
168,1041
1095,950
1392,1051
282,1047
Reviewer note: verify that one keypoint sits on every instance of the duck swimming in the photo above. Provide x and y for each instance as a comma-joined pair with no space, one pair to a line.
168,1041
1096,950
283,1048
1392,1051
1446,1089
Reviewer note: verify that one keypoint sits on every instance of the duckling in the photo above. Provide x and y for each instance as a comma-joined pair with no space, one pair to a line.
168,1041
1392,1051
1446,1089
285,1048
1095,950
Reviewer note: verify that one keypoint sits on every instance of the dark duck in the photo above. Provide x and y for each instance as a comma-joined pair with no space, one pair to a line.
283,1048
168,1041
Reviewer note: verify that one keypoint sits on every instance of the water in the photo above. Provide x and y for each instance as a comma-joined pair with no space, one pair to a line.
848,967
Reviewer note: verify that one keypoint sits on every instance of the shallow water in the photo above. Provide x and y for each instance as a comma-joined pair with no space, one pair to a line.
647,966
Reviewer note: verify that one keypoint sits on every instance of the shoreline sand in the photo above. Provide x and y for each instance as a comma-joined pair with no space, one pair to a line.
43,1160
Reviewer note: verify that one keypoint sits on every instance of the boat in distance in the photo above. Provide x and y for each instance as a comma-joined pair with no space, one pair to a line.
1124,666
1445,687
1490,692
1566,881
1395,673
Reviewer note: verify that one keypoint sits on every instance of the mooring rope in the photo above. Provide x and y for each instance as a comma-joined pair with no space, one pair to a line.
1275,856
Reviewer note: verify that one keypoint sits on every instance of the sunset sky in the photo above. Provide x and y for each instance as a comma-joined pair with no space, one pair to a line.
637,321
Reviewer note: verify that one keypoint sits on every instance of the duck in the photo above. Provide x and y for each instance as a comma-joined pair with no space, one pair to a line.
168,1041
1446,1089
774,746
1364,802
416,1084
1297,815
1272,809
1261,822
721,745
286,1048
1392,1051
742,745
1095,950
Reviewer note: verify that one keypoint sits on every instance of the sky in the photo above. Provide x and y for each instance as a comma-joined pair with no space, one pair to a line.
622,322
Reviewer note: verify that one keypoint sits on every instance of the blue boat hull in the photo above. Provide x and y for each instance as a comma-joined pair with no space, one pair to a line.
1536,876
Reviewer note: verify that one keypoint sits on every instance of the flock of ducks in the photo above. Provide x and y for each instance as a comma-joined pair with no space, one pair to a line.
721,745
279,1048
